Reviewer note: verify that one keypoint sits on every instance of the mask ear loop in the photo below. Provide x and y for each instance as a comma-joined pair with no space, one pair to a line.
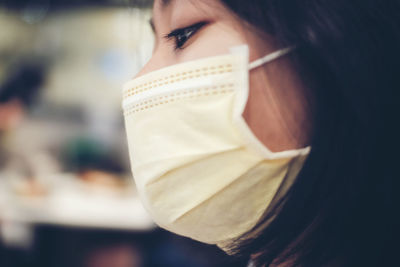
267,59
270,57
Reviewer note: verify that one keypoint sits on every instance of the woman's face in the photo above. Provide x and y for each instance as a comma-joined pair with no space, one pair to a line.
186,30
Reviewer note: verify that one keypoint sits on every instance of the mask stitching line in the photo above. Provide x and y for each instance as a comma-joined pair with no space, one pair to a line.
213,70
152,103
148,100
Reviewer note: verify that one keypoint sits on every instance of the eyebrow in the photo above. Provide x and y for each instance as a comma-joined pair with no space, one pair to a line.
151,22
165,3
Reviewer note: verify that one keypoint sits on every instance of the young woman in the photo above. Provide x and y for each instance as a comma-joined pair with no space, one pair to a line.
268,128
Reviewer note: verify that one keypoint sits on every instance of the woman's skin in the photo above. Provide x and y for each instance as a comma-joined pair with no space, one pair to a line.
276,110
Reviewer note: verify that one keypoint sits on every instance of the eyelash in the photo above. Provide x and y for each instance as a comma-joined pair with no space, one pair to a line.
182,35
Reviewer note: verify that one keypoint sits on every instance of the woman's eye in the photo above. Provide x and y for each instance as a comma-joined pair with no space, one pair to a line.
180,36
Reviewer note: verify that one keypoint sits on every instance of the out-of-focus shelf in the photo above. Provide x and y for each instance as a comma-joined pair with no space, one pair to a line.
73,203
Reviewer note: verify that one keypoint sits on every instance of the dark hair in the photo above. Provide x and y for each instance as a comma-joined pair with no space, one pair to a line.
23,84
342,210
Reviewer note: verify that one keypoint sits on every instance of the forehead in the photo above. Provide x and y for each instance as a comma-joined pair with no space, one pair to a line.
178,8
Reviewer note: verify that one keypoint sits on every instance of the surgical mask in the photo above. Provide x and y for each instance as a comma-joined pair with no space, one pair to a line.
199,169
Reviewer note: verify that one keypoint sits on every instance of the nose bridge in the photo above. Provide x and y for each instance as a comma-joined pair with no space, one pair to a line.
158,60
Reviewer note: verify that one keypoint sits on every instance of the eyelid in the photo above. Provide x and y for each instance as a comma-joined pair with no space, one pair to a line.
187,33
175,32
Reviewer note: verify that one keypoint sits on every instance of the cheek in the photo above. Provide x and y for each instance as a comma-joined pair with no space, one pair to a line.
277,111
214,40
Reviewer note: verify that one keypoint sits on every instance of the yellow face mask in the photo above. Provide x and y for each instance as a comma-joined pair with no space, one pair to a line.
199,169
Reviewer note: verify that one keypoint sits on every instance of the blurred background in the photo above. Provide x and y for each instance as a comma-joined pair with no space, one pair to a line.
67,197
